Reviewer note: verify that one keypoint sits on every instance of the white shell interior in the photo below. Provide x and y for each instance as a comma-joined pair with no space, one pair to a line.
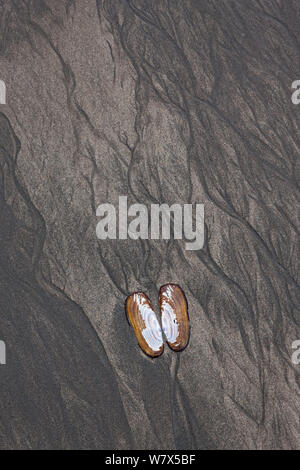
152,332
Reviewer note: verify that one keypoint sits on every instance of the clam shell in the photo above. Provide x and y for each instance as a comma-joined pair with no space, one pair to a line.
143,320
174,316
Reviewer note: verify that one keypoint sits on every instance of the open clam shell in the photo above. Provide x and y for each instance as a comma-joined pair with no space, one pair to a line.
174,316
143,320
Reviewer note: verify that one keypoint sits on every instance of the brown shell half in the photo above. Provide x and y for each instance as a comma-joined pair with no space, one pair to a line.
144,322
174,316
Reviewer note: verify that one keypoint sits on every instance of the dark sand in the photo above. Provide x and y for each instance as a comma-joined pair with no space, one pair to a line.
163,101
